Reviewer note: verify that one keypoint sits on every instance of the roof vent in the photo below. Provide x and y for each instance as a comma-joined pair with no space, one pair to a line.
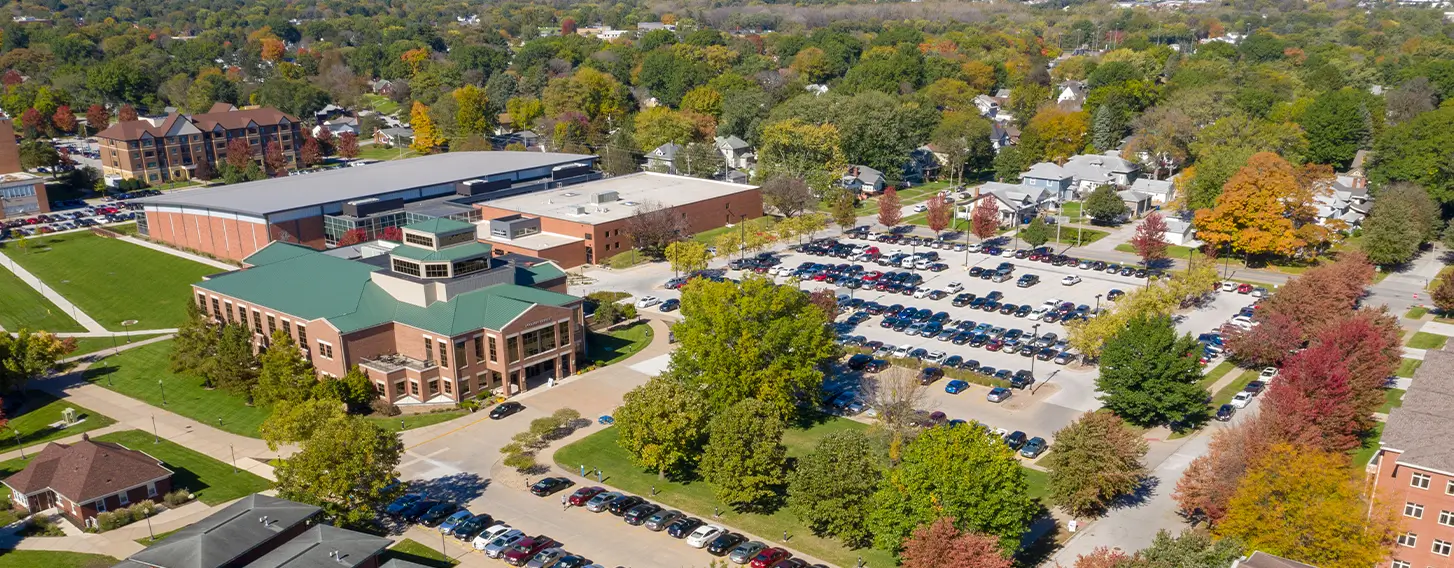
569,194
578,210
604,197
630,203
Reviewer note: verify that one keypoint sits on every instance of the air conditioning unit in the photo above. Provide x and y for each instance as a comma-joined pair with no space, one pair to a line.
604,197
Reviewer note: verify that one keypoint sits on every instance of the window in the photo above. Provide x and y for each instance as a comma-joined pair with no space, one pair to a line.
287,328
405,267
229,312
125,499
464,387
1400,564
151,490
564,332
257,321
413,388
216,308
1449,489
433,387
202,301
443,353
272,324
448,387
325,350
459,359
1446,518
471,266
479,348
1408,539
538,341
302,335
242,315
436,271
493,357
428,350
421,240
1420,480
1442,548
101,505
512,348
1414,510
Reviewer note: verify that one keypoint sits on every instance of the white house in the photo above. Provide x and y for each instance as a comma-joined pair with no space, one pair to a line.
1017,204
863,179
1072,94
338,126
987,105
1179,232
1345,199
1137,203
663,158
1161,191
1050,177
736,151
1090,171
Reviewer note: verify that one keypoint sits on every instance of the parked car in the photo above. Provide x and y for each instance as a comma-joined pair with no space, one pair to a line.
546,558
1070,280
955,386
1255,387
769,556
998,394
412,513
599,502
549,486
623,504
682,527
638,514
724,543
505,409
454,521
497,546
928,375
671,305
745,552
1225,412
659,521
471,527
1015,440
526,548
1241,399
584,495
703,535
1268,374
647,301
398,506
436,514
491,534
1033,448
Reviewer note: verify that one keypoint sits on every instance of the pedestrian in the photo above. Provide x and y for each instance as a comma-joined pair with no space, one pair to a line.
564,502
785,536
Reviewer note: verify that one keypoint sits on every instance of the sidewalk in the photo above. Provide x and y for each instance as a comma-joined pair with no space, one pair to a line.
60,301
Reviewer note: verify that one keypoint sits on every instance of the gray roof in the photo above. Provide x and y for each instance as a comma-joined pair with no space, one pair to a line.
1261,559
1420,428
865,174
1133,196
1046,170
227,534
399,563
323,546
1162,187
733,142
1015,195
346,184
666,151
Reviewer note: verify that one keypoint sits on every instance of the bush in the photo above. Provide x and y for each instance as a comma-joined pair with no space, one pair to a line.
112,520
142,510
42,525
177,498
523,462
384,408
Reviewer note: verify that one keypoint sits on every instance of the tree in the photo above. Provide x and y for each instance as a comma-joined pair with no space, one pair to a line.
524,111
348,145
1444,294
985,218
37,153
1149,374
33,122
890,211
1275,337
325,141
310,154
844,213
1164,135
1414,97
194,344
284,376
831,488
298,421
751,340
964,139
745,457
1096,460
233,367
1206,487
661,125
1306,505
1323,295
661,424
203,171
427,137
1337,124
1190,548
127,113
1104,206
356,390
1417,151
97,118
1103,557
239,154
1404,217
346,467
1150,239
939,213
1036,233
701,160
687,256
790,196
63,119
798,149
1312,401
1261,210
939,543
1368,343
29,354
654,227
965,473
1055,134
274,161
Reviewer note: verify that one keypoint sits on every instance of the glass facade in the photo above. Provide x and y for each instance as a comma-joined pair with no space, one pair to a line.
335,226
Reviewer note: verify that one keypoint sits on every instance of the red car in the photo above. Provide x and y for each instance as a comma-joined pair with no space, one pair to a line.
770,556
584,494
994,345
1244,289
872,276
526,548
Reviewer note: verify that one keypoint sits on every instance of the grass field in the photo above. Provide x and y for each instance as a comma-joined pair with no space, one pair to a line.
412,421
1425,340
125,228
380,103
34,426
1392,398
23,307
1416,312
612,346
148,541
1216,373
1370,445
412,551
1225,394
12,466
87,345
113,280
377,152
136,372
1172,251
1078,237
1406,367
53,559
212,481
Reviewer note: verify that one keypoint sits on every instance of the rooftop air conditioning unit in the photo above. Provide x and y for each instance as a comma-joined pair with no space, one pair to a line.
578,210
604,197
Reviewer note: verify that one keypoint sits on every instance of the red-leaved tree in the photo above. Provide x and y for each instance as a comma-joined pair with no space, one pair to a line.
1269,343
97,117
348,145
984,221
1444,293
1206,487
567,26
203,171
825,300
273,159
1312,403
11,78
64,119
890,211
1150,239
310,153
1322,295
239,153
941,544
32,121
1102,557
127,113
940,213
391,234
1368,345
325,141
353,237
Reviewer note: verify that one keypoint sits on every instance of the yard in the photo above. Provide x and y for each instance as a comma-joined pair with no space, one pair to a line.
53,559
88,345
1426,340
600,450
22,307
378,152
381,104
34,426
1172,251
412,551
1226,393
142,374
1077,237
113,280
1216,373
605,348
912,195
1370,445
1392,398
125,229
1406,367
212,481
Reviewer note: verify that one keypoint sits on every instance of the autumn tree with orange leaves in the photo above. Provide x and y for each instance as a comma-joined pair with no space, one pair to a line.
985,218
1206,488
941,544
940,213
1266,208
890,212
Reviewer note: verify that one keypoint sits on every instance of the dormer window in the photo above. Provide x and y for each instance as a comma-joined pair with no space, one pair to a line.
420,240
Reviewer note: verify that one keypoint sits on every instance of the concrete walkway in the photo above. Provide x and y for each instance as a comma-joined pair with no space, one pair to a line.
98,355
56,298
180,254
1437,328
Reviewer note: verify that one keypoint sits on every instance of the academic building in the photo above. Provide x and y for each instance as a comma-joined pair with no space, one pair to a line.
1414,467
169,149
436,319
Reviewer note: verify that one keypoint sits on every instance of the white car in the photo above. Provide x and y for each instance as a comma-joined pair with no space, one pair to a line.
1268,374
497,547
1009,253
936,357
922,292
490,534
703,535
1039,313
885,351
1242,399
920,208
975,247
902,351
954,287
1070,280
1229,286
922,264
1243,322
647,301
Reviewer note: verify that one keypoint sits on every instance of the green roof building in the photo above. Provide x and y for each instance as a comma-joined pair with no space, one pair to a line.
435,320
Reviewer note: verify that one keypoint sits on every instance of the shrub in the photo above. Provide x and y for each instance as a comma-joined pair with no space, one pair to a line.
384,407
177,498
112,520
142,510
522,462
42,525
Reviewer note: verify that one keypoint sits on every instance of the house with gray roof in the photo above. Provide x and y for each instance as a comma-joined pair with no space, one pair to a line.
736,152
436,319
1072,95
1050,177
662,159
1343,202
1017,203
1089,171
1160,190
863,179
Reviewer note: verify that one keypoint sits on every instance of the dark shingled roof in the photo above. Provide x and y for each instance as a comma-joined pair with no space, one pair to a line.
227,534
323,546
86,470
1416,428
221,113
1261,559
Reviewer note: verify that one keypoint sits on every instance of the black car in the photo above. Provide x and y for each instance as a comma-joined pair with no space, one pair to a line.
437,514
1225,412
680,528
1023,311
1022,379
725,543
976,272
572,561
640,513
971,365
1015,440
418,509
623,504
1028,280
930,374
398,506
1255,387
875,366
858,362
505,409
467,530
671,305
550,485
962,300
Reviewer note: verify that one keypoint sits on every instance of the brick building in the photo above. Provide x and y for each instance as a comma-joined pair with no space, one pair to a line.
21,194
1414,466
437,319
88,478
319,209
168,149
589,223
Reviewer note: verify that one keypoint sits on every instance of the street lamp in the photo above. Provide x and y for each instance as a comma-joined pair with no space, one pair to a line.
1034,330
163,388
1098,302
126,326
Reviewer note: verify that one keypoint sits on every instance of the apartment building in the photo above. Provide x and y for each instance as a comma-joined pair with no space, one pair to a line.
169,149
1414,466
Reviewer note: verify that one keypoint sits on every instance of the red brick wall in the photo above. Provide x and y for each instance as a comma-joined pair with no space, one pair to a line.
569,255
1396,489
229,238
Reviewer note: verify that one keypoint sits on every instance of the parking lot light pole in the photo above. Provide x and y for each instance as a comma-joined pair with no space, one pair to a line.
1034,329
1098,302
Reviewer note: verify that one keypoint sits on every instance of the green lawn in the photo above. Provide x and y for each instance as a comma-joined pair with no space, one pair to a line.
1172,251
1392,398
1416,312
113,280
12,466
761,224
148,541
1037,480
53,559
417,553
87,345
124,228
1215,373
1363,454
379,103
922,220
34,425
23,307
211,480
1225,394
412,421
378,152
1077,237
628,259
1425,340
135,373
612,346
1406,367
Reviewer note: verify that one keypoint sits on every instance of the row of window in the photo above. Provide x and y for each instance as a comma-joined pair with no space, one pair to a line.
1411,540
1424,480
1416,511
218,312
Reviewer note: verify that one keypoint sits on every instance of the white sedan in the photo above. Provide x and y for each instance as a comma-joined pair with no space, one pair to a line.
647,301
920,208
1070,280
1268,374
1242,399
703,535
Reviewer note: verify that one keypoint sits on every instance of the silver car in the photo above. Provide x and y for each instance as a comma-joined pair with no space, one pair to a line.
503,542
659,521
546,558
599,502
745,551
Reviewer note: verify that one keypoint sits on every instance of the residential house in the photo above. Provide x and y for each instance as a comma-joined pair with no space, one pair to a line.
338,126
88,478
1050,177
328,112
383,87
817,89
1137,203
663,158
987,105
1072,95
1179,232
167,149
736,151
1089,171
922,166
644,27
863,180
1343,201
1413,469
1000,137
394,136
1017,203
1160,190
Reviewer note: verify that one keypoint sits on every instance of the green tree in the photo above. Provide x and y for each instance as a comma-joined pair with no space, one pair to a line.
1096,460
745,457
1337,124
194,344
234,367
1418,151
831,489
355,389
660,424
687,256
284,376
751,340
659,125
29,354
844,214
346,467
296,422
966,473
473,113
1190,548
1104,206
1149,374
1036,233
964,138
1404,217
801,150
